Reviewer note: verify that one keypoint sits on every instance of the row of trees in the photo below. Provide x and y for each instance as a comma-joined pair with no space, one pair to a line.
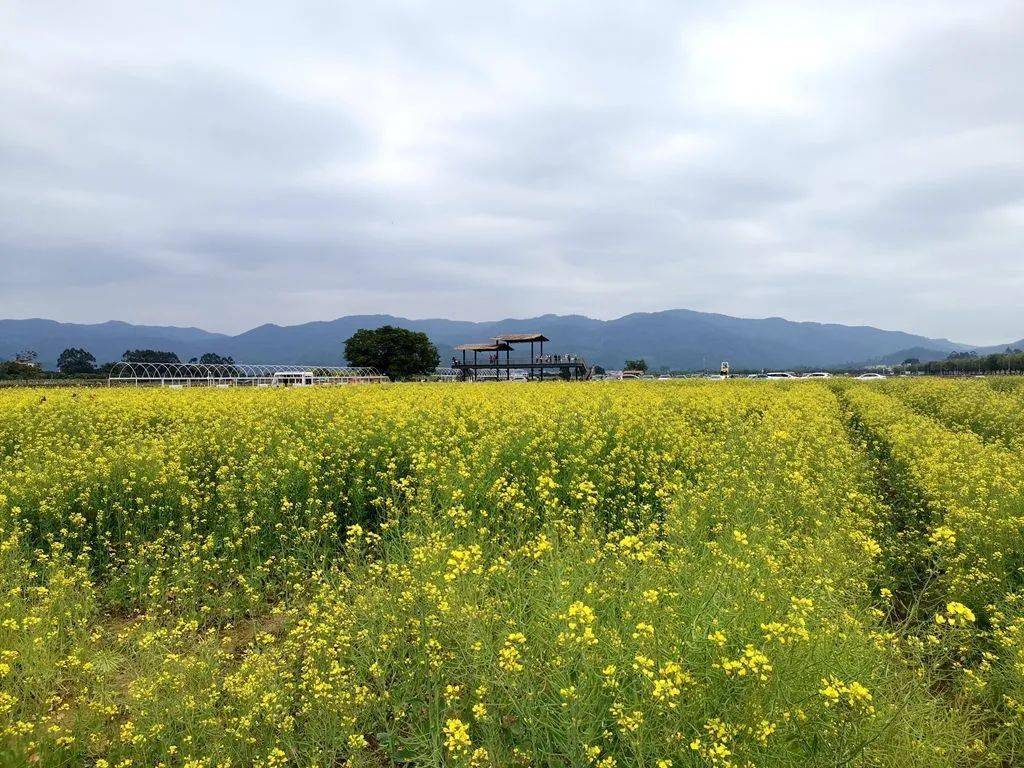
12,369
157,356
971,362
76,361
398,352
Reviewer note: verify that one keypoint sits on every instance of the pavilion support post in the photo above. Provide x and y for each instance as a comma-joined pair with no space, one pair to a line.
474,365
542,361
463,365
508,365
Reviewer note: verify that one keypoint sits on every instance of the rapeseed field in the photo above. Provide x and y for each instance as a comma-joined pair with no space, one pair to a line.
661,574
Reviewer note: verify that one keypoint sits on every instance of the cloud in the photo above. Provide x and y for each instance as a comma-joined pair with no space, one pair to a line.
227,166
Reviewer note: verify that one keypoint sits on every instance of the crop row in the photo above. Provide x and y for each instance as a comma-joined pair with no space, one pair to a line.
965,518
966,405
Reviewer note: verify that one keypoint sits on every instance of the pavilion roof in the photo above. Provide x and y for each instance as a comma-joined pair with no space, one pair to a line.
494,346
520,338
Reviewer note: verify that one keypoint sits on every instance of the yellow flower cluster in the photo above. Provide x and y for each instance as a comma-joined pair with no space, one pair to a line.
956,614
510,657
751,662
668,685
456,738
854,695
579,625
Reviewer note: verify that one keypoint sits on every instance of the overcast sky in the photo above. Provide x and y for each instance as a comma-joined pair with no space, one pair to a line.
189,164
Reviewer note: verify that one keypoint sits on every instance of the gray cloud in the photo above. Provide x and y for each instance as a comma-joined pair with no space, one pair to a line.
857,162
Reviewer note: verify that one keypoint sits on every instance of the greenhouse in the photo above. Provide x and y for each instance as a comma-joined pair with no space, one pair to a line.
178,375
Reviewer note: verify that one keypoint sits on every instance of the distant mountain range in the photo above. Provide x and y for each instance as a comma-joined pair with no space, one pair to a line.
678,338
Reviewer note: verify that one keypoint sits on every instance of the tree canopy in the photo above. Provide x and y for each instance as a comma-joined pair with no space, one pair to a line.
149,356
636,365
397,352
76,360
12,369
212,358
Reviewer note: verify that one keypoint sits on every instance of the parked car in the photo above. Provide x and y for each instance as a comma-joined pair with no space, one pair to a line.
870,377
817,375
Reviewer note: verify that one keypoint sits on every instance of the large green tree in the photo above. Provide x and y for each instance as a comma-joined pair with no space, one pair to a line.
76,360
636,365
398,352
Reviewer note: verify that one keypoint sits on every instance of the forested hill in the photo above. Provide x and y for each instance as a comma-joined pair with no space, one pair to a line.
679,339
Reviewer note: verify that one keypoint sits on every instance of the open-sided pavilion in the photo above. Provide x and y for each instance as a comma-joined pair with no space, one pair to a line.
538,366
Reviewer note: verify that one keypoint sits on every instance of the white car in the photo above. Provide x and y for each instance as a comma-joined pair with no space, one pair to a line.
817,375
870,377
781,375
